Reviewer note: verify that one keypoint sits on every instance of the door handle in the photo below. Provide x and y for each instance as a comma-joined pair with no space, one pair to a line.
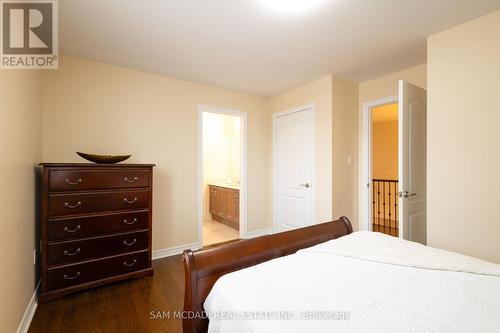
306,185
406,194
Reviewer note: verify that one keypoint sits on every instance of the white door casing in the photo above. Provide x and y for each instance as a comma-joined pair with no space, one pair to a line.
293,152
412,147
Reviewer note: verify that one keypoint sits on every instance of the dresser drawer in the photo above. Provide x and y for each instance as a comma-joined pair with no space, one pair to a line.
78,180
60,229
74,274
72,251
82,203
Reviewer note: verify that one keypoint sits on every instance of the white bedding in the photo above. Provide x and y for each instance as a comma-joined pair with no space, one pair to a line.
380,283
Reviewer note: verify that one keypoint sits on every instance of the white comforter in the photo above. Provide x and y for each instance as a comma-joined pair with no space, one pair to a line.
363,282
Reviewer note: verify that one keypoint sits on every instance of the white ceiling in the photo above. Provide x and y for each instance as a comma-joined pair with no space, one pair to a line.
247,46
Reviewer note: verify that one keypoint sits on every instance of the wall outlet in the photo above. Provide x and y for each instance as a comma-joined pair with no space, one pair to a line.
349,160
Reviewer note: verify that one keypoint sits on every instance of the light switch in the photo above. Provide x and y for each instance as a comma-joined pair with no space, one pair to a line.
349,160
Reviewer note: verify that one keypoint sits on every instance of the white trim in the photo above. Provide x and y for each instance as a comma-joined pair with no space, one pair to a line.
312,107
29,313
257,233
401,158
243,166
365,165
172,251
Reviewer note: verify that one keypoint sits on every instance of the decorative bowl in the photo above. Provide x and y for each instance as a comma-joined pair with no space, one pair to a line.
103,159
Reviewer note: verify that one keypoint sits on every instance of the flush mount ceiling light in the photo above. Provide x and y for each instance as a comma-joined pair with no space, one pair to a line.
291,7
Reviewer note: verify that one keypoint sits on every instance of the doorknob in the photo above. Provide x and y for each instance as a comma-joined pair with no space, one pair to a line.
406,194
306,185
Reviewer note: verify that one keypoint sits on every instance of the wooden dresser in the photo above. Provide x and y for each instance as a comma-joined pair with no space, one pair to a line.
95,225
225,205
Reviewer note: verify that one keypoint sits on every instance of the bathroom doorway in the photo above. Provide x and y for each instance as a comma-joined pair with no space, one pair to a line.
223,151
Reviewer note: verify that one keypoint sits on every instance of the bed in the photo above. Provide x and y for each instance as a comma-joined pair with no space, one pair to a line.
326,278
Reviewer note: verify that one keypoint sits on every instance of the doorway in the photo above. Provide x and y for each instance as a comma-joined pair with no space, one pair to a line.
408,204
293,168
222,180
384,169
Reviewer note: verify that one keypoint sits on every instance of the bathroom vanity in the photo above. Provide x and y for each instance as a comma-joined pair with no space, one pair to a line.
225,204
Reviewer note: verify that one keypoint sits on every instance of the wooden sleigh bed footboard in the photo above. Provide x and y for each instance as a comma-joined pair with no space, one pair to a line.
203,267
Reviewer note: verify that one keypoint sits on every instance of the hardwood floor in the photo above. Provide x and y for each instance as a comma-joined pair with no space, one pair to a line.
121,307
386,230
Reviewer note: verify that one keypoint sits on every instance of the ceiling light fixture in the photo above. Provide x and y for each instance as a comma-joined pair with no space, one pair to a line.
291,7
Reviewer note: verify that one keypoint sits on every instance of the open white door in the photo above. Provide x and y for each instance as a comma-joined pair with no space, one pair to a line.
293,169
412,162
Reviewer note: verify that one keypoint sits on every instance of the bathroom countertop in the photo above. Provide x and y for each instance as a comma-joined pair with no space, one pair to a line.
223,184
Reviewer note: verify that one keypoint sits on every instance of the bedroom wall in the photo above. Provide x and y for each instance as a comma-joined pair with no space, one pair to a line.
319,93
20,144
345,143
385,149
94,107
387,86
463,162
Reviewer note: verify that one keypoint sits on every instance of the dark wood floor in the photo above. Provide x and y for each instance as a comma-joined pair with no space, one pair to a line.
121,307
386,230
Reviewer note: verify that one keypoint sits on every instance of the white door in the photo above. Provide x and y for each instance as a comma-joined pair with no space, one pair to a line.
412,162
293,161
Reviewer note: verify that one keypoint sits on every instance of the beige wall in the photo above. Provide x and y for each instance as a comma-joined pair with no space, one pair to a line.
463,119
20,142
387,86
345,143
385,150
93,107
385,142
319,93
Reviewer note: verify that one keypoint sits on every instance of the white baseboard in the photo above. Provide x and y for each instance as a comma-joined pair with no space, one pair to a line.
25,323
257,233
172,251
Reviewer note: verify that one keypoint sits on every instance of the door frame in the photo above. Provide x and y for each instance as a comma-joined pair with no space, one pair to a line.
243,166
365,175
309,106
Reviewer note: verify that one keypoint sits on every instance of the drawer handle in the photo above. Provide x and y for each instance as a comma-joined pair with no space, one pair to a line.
68,205
130,180
79,181
78,227
126,200
127,222
126,264
131,243
66,253
66,277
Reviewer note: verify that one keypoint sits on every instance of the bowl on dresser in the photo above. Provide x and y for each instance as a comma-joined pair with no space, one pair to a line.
103,159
